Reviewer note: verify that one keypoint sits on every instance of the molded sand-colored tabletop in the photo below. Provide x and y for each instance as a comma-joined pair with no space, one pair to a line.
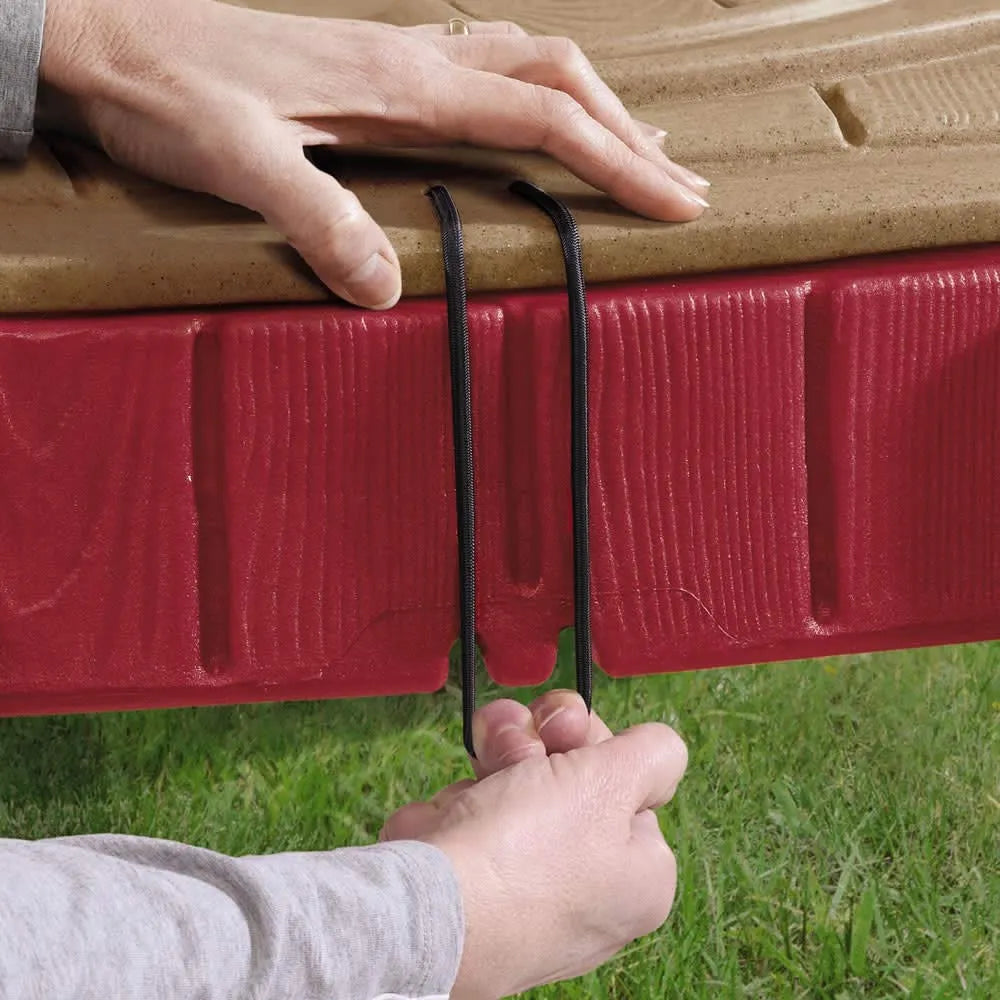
830,128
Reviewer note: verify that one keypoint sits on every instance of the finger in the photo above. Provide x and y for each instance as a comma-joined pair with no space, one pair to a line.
411,822
323,221
563,722
449,793
654,874
475,28
503,734
484,109
559,64
645,764
696,182
645,826
416,819
657,134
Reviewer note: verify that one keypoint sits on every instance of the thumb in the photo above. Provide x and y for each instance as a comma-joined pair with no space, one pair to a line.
324,222
643,764
411,822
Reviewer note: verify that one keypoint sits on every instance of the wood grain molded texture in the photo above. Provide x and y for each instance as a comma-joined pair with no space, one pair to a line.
219,506
830,129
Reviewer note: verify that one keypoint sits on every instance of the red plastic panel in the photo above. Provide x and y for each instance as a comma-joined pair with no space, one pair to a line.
259,504
333,496
98,583
912,411
702,536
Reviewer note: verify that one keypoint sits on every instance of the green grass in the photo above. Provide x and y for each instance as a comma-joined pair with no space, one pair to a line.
837,833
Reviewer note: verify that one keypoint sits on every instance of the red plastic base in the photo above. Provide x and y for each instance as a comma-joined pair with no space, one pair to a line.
259,504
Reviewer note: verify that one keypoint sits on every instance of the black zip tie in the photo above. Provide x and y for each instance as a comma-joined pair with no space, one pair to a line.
453,252
569,238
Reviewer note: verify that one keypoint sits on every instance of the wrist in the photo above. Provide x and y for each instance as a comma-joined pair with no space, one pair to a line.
99,54
91,47
69,62
71,27
480,971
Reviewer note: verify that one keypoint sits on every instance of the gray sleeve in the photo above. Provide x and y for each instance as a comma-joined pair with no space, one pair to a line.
87,918
21,24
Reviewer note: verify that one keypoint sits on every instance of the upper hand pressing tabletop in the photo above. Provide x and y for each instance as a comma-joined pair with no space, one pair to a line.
225,100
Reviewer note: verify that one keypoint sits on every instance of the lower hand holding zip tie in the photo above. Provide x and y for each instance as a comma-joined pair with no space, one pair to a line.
559,857
456,293
558,853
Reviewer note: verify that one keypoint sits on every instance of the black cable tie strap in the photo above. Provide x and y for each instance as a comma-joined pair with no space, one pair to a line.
453,252
569,237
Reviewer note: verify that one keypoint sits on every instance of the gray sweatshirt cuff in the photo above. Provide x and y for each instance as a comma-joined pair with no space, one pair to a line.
21,24
92,917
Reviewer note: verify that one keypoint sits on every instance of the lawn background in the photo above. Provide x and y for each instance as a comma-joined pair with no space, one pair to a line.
837,833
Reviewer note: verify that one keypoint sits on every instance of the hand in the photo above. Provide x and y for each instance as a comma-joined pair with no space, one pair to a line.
224,99
559,855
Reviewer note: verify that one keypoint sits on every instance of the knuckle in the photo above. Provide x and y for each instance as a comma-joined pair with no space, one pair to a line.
339,232
659,891
557,113
620,161
567,53
338,228
393,826
467,808
518,751
405,80
409,821
451,793
419,101
677,748
566,59
557,104
389,61
663,901
665,739
501,28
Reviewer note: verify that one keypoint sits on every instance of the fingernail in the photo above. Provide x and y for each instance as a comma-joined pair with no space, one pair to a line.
520,747
653,131
548,717
514,727
693,198
376,283
696,179
478,733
